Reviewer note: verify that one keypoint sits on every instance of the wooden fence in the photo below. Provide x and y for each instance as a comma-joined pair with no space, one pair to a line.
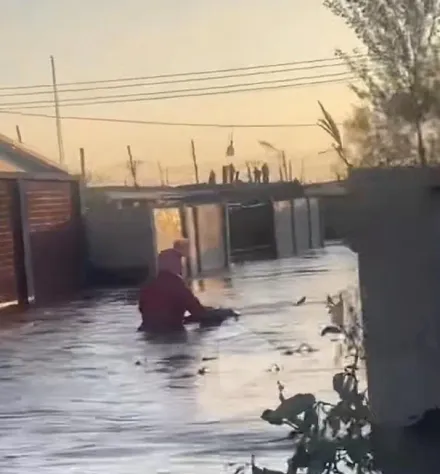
41,238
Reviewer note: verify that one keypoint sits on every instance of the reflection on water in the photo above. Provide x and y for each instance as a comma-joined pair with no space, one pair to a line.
83,392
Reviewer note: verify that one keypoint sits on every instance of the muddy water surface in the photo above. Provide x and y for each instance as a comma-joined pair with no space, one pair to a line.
82,392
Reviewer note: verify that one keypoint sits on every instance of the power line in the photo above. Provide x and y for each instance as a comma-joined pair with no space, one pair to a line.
181,74
161,123
181,93
174,81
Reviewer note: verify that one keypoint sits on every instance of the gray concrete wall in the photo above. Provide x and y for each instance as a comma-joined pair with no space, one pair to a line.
297,226
315,223
396,232
211,237
300,211
284,235
119,237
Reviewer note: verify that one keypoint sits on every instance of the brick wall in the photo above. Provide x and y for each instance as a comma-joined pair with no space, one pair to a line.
55,237
41,240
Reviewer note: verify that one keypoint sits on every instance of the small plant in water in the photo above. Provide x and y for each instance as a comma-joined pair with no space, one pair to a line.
329,438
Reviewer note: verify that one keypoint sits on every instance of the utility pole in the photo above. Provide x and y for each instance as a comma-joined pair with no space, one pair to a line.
57,112
284,165
17,128
194,158
82,160
302,178
132,166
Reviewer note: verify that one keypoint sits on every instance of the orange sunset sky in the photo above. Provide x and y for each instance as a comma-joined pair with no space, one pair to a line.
108,39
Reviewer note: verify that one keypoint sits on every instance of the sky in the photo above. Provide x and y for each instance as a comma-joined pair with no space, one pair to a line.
108,39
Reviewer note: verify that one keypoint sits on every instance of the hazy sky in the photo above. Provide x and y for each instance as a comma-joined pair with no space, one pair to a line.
103,39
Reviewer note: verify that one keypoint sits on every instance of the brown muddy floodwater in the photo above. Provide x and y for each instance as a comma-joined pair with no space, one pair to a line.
82,392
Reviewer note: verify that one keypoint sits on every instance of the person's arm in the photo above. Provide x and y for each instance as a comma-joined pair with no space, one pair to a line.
190,302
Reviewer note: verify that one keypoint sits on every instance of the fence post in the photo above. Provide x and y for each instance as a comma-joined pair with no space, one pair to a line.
197,238
292,220
22,208
226,235
309,223
17,236
77,214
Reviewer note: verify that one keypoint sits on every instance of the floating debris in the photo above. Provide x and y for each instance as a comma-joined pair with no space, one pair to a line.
202,371
331,330
302,348
301,301
274,368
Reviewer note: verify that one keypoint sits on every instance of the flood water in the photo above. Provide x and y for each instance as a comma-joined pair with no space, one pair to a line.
82,392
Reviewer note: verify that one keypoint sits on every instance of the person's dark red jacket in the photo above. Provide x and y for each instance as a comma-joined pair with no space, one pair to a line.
164,301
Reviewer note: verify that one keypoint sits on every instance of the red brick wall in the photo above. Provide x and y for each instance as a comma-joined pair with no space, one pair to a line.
8,281
55,238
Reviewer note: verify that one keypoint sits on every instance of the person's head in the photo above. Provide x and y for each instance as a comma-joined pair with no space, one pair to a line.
169,261
182,246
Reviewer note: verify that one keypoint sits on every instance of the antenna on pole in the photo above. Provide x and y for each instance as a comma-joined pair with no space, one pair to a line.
57,112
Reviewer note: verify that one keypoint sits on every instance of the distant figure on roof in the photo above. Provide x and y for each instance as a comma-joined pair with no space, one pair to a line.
212,177
257,175
265,173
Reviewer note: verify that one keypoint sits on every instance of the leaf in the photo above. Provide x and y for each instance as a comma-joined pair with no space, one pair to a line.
345,385
341,411
290,408
272,417
299,460
334,423
267,145
310,420
324,451
338,383
356,449
331,125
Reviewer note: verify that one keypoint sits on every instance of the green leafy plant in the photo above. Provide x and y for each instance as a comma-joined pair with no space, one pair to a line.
328,438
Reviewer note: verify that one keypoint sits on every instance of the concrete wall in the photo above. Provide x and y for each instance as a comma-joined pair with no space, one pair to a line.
298,226
336,215
315,237
211,237
396,232
125,235
120,237
283,223
191,235
301,217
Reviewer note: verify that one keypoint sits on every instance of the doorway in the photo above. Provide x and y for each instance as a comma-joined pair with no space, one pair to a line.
251,231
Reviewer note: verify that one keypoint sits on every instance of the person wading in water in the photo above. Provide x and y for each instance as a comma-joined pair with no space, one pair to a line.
165,299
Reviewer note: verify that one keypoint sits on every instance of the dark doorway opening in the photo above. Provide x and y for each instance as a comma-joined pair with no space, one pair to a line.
251,231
